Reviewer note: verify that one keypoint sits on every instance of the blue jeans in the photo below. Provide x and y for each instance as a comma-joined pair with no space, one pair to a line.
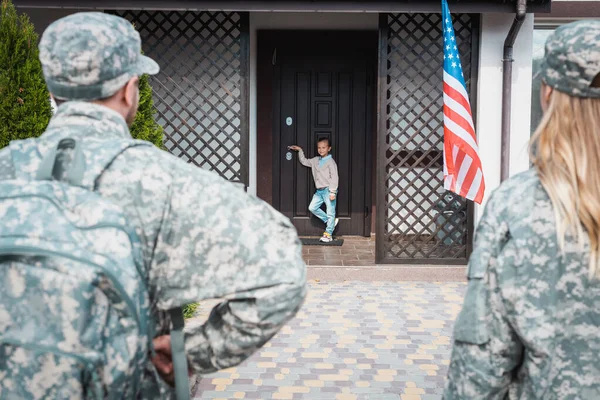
322,196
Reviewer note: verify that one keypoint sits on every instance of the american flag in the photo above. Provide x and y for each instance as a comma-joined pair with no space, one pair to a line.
462,167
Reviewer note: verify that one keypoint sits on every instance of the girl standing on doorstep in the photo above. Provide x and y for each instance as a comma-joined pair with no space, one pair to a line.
325,174
530,323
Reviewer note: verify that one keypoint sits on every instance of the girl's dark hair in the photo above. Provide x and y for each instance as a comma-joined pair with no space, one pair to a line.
324,139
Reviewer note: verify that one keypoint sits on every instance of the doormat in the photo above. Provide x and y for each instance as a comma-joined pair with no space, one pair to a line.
316,242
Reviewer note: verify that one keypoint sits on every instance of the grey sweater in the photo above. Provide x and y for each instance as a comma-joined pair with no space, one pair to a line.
325,176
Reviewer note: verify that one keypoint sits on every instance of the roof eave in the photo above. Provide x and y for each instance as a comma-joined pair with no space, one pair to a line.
462,6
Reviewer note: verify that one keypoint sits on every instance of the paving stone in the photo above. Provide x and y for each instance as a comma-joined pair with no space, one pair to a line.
367,339
384,396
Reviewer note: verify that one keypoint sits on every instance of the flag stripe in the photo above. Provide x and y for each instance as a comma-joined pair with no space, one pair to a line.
462,166
462,172
459,109
475,186
451,93
448,182
454,153
448,169
460,121
458,86
460,132
468,186
462,147
479,196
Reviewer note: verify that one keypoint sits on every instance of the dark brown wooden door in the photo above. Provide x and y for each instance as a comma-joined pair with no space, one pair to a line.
323,87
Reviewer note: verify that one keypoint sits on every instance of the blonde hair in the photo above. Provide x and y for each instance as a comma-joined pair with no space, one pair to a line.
565,150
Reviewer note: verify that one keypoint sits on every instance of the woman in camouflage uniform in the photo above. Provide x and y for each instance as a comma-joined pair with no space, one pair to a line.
530,324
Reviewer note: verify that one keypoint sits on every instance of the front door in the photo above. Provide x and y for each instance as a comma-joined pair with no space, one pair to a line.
324,87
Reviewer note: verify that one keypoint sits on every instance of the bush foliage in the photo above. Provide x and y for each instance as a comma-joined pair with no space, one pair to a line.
25,108
24,99
144,126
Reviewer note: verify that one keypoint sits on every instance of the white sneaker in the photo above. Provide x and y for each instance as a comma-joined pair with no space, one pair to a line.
326,238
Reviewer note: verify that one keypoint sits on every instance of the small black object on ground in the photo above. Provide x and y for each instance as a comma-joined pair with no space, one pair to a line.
312,241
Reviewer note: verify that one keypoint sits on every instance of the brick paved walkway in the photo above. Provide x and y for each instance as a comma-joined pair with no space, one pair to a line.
352,340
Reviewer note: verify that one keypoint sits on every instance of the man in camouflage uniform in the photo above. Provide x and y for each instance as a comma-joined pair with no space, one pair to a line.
202,236
530,323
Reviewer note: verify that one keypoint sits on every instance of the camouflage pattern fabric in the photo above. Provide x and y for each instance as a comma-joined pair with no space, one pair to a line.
530,320
572,58
202,237
74,307
89,56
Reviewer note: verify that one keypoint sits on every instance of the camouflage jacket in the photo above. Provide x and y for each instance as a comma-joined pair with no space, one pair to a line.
530,323
203,238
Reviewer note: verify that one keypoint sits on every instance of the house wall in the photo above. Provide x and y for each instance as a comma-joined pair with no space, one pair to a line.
489,98
494,27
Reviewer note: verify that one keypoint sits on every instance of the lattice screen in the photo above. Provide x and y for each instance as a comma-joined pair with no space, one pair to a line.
422,221
200,93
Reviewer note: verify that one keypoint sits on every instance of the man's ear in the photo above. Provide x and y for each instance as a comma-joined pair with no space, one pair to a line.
131,91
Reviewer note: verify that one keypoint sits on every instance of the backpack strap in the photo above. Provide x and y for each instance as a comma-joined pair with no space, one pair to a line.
65,162
77,160
180,365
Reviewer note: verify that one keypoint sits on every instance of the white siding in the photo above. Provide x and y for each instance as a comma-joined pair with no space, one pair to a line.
489,99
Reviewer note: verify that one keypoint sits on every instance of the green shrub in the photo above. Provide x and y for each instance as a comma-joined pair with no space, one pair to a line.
144,126
24,99
190,310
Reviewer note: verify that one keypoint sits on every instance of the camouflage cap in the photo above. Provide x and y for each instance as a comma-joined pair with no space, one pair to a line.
91,55
572,59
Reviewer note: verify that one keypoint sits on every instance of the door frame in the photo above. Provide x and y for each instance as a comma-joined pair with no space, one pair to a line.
269,112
